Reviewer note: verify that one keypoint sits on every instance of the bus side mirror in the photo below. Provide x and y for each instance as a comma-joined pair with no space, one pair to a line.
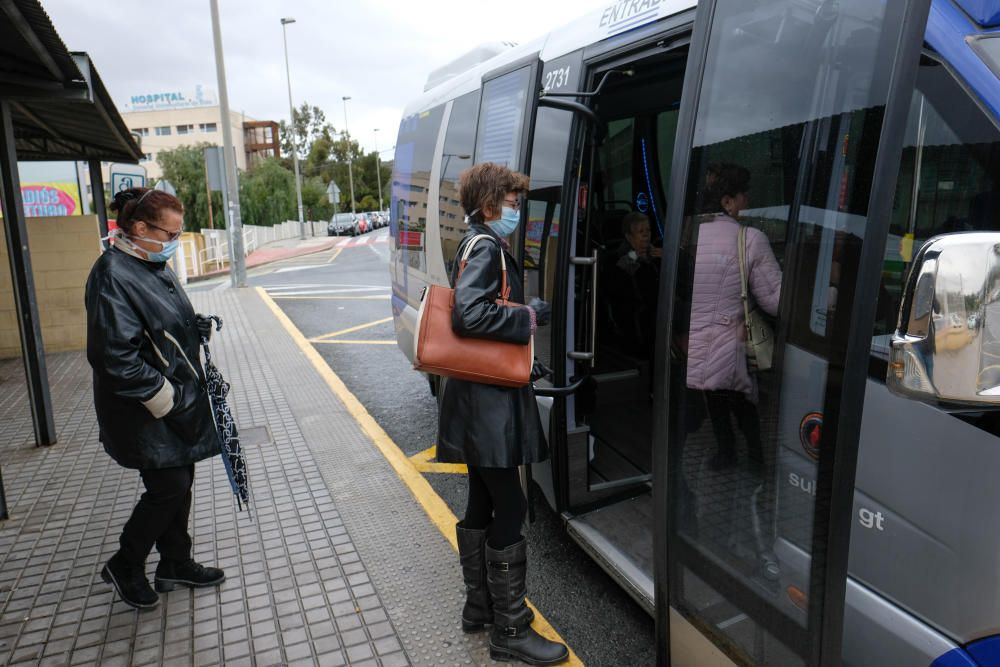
946,348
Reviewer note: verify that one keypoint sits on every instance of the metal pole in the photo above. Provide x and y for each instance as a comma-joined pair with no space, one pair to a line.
350,169
291,125
29,324
378,173
3,500
237,263
100,205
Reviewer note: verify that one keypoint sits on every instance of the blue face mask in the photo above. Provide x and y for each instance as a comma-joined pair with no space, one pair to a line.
508,222
167,250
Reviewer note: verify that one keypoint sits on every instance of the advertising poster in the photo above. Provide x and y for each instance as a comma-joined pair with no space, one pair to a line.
50,189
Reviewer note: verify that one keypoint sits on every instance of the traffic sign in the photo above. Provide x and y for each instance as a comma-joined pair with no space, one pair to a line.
125,176
333,193
166,186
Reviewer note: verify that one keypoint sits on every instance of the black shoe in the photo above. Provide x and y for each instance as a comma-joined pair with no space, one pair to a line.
512,636
130,583
171,574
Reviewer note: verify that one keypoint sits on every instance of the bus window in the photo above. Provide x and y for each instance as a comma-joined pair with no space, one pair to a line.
459,143
501,118
544,203
949,181
410,180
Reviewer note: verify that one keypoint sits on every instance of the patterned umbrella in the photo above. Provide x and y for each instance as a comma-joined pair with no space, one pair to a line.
229,437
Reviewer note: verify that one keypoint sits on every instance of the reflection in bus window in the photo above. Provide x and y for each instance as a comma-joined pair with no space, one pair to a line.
459,143
410,180
501,118
949,180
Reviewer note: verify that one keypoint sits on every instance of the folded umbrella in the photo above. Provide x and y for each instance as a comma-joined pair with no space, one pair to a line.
225,426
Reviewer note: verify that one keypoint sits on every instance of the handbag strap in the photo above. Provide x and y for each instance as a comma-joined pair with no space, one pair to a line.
741,251
504,286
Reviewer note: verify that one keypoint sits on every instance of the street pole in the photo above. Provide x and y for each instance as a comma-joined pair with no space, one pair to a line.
237,263
350,168
291,125
378,172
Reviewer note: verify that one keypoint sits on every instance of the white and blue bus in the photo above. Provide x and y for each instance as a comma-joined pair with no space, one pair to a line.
864,528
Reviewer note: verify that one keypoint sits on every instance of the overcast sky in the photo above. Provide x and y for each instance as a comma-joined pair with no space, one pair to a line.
377,51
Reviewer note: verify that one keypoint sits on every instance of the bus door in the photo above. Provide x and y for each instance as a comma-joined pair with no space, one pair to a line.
788,146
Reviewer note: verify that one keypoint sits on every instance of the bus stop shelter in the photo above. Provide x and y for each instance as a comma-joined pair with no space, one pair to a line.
53,107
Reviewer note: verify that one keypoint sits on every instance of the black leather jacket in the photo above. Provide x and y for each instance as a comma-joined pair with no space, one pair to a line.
480,424
149,384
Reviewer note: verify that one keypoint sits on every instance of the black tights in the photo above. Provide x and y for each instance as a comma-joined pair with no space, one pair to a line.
495,497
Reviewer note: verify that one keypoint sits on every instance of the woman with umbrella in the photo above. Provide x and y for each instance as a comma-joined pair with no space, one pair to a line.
149,391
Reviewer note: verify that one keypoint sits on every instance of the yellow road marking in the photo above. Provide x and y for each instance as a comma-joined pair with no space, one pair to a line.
350,329
423,462
359,298
341,341
336,254
438,512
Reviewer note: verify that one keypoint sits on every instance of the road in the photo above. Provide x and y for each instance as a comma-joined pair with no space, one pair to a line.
339,299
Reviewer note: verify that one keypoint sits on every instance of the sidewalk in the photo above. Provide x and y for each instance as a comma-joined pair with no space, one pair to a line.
276,251
339,565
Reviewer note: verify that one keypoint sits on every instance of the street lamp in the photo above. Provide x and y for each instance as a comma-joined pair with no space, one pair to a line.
291,125
350,168
378,171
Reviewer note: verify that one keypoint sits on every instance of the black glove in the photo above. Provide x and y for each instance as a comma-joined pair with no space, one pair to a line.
540,370
543,311
203,323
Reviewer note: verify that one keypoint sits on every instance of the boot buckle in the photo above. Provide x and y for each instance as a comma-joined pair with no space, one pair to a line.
499,565
510,631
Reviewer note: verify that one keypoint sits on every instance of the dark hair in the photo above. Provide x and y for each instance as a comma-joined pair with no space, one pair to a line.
485,185
723,179
143,204
631,220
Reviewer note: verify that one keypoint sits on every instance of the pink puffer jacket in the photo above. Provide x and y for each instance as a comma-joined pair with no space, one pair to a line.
717,338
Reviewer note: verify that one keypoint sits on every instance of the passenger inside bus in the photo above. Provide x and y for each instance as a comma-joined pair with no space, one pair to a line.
633,282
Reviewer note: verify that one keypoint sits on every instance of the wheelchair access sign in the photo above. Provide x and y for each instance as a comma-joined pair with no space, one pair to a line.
125,176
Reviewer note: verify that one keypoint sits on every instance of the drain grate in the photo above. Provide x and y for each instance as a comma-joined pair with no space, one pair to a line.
255,436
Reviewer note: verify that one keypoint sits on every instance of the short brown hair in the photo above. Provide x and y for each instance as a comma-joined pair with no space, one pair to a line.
485,185
143,204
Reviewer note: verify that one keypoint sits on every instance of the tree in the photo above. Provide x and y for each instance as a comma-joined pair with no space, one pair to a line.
184,167
308,125
267,194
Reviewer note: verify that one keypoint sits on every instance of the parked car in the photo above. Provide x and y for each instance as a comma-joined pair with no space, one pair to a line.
342,224
363,224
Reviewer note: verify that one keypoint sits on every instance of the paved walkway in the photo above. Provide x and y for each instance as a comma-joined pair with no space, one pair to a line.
339,565
276,251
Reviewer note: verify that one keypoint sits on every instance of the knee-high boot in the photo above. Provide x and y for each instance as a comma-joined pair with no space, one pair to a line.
478,610
512,635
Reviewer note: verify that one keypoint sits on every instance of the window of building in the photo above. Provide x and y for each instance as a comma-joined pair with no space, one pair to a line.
208,127
141,131
185,129
146,157
163,131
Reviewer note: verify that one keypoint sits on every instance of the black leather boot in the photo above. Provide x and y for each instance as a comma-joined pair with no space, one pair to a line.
130,583
512,635
478,610
170,574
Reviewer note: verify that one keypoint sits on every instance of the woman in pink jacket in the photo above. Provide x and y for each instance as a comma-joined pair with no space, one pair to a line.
717,361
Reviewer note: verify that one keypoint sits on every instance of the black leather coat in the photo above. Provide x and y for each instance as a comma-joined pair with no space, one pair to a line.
140,335
480,424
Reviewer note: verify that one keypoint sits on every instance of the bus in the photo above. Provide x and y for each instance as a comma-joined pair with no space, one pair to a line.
840,510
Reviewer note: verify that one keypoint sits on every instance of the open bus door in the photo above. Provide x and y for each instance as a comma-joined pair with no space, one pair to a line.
806,100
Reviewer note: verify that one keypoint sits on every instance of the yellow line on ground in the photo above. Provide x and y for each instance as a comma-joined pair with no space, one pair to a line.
443,468
336,254
357,298
350,329
341,341
424,456
438,512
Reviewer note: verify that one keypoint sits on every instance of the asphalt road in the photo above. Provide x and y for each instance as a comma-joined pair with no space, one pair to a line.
340,300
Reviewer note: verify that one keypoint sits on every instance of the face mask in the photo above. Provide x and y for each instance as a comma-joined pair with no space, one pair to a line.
167,249
508,222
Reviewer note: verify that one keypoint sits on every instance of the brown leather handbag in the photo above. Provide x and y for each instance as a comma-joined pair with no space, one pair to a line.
440,351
